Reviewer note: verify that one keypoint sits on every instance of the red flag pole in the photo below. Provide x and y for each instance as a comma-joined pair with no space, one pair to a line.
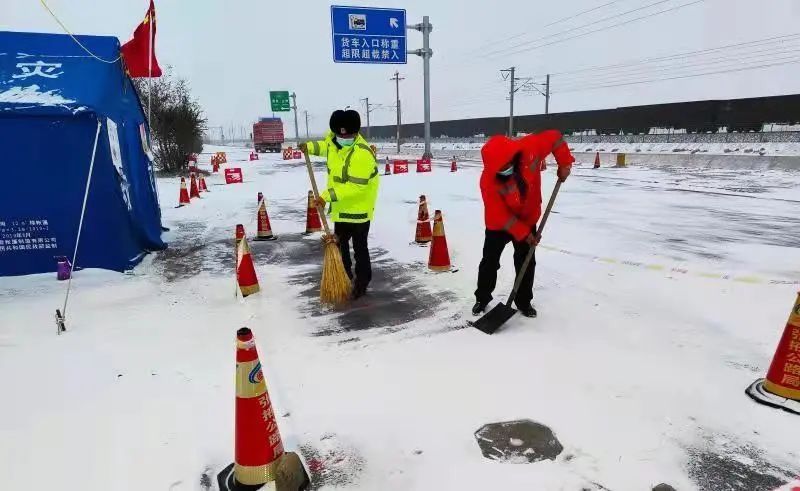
150,63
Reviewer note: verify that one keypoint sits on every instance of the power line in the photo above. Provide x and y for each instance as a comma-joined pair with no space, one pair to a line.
703,74
648,59
526,32
595,22
647,70
580,13
607,27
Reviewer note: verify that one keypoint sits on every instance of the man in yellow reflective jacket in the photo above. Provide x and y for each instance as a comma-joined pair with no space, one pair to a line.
351,190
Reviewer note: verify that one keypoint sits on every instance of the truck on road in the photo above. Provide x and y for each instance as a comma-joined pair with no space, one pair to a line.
268,135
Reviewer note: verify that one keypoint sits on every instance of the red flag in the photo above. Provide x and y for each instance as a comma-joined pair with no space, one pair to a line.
140,52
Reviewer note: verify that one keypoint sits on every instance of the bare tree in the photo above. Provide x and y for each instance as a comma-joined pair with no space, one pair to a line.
177,121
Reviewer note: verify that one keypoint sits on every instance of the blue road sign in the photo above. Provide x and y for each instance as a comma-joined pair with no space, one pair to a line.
368,35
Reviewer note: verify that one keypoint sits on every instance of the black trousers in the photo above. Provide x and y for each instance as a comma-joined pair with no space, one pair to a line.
493,246
358,232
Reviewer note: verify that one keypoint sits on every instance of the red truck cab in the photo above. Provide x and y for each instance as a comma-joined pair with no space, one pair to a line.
268,135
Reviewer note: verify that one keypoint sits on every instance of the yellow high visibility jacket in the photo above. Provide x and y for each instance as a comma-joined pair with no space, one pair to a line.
353,178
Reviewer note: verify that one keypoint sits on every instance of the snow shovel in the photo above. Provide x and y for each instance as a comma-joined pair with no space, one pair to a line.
502,312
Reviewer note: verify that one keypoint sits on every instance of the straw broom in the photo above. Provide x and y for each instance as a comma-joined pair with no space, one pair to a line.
335,288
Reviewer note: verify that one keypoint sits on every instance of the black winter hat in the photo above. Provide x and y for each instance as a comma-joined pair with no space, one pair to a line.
345,122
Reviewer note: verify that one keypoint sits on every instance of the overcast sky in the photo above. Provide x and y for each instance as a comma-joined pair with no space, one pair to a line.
235,52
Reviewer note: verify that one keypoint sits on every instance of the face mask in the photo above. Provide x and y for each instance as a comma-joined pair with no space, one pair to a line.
345,142
507,172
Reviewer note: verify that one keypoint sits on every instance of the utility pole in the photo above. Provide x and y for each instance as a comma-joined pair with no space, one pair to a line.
545,93
511,91
426,53
366,101
294,106
547,96
397,78
306,113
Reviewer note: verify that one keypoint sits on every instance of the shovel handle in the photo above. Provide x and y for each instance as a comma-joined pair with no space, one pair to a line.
313,179
529,256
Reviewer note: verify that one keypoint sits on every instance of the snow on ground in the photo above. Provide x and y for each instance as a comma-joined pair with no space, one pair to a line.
639,371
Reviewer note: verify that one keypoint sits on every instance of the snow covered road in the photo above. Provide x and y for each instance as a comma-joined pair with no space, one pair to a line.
662,292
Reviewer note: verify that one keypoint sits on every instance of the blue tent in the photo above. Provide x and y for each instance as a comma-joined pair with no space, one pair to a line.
55,99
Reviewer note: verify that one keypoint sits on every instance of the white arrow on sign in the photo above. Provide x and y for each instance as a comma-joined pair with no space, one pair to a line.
393,22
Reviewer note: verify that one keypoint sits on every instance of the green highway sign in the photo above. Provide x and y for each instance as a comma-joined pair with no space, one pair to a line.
279,100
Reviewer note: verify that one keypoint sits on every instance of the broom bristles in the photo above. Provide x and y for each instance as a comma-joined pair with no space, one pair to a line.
335,288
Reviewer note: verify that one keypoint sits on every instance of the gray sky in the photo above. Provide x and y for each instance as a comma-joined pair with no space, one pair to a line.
234,52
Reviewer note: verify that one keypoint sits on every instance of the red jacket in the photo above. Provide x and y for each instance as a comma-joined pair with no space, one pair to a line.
504,206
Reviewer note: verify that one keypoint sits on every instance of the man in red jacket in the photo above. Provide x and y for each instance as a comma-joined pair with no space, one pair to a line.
511,187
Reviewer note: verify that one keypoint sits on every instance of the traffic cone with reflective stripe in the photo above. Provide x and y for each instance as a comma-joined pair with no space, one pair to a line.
781,388
202,184
183,196
597,160
194,191
245,269
264,231
258,440
388,170
424,234
313,223
259,454
439,258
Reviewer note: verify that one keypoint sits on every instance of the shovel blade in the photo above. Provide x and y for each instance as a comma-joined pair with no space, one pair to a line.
492,320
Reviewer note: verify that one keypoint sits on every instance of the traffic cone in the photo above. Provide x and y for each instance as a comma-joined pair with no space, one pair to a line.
453,166
264,228
439,258
202,184
194,191
388,170
424,234
313,223
259,454
245,270
183,196
597,160
781,388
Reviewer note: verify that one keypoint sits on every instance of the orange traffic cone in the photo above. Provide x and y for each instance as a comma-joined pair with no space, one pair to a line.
597,160
313,223
439,258
264,231
245,270
258,448
453,166
194,191
424,234
202,184
781,388
388,170
183,196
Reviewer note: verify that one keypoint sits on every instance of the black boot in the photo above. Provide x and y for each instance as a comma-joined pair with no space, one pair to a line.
358,291
527,310
478,308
